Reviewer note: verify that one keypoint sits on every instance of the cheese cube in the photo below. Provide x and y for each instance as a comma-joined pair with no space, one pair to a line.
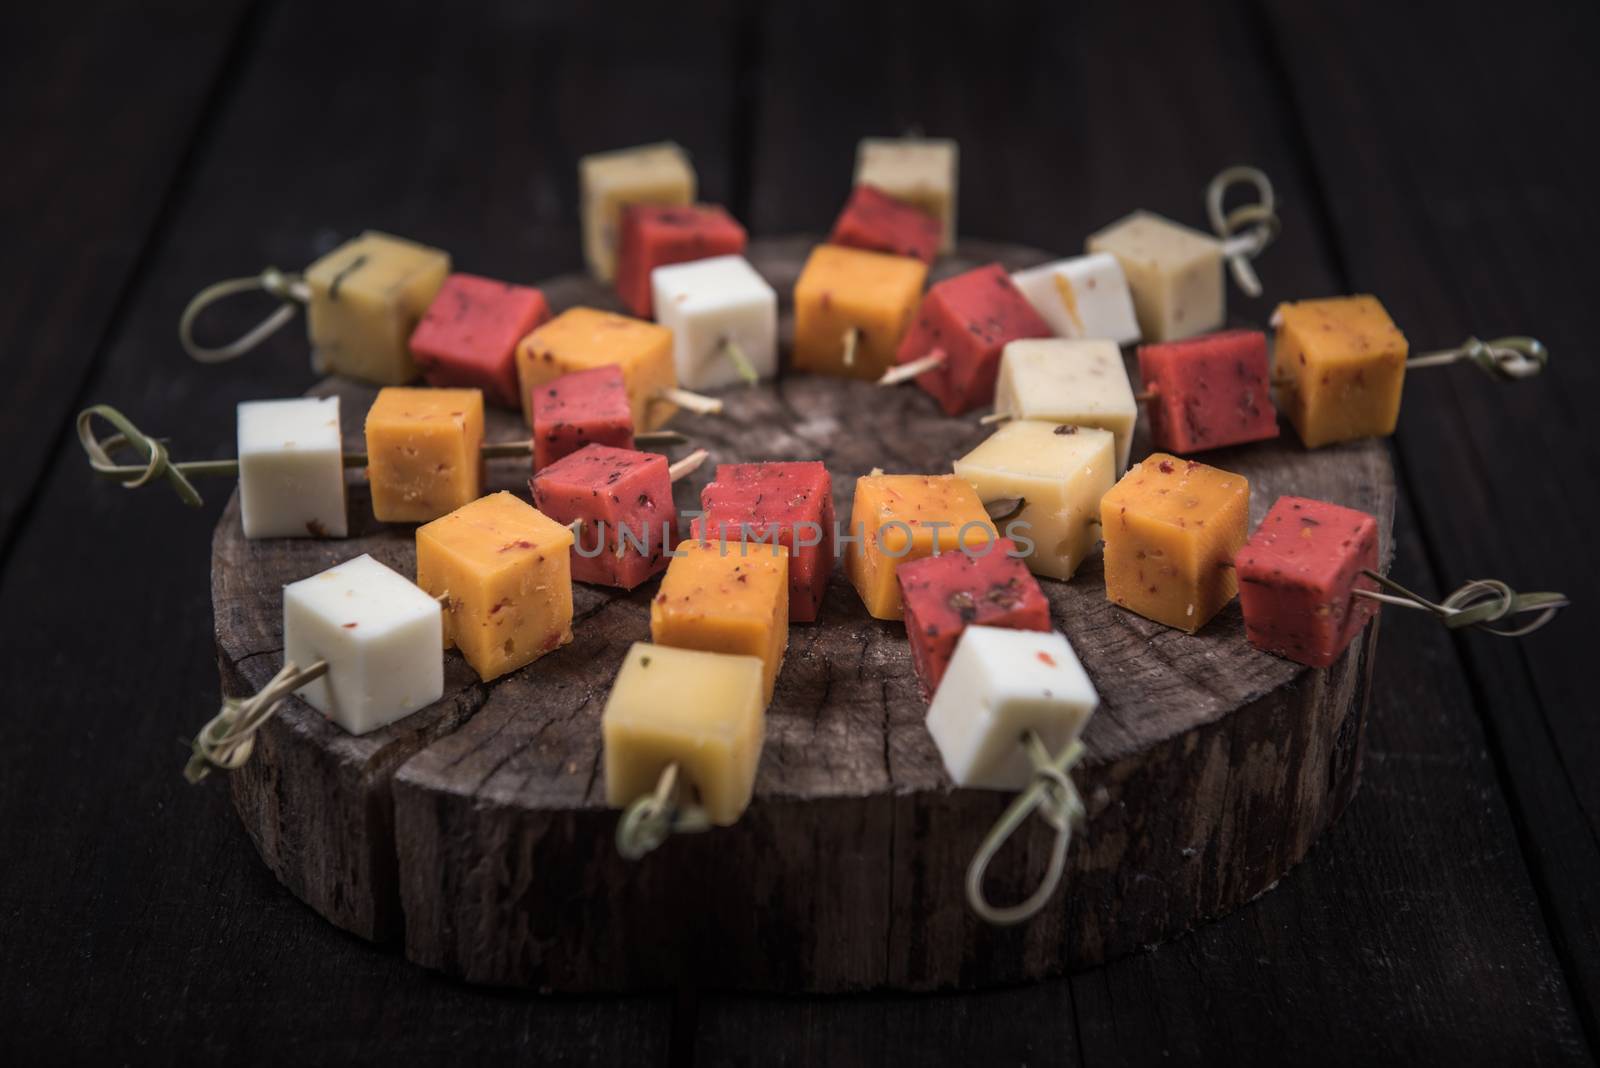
1082,297
380,636
581,339
1344,363
899,518
1209,391
504,568
1001,683
1060,471
710,304
701,711
1080,382
1298,575
918,170
1175,274
1172,528
291,469
969,319
424,452
945,594
583,408
649,174
790,504
367,297
624,500
654,236
725,597
877,222
468,336
844,289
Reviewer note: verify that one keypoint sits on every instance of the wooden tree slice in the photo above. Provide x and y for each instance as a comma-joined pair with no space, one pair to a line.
478,827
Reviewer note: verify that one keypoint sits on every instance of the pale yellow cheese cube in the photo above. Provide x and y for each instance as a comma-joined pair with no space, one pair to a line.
1068,381
1175,274
922,171
367,297
649,174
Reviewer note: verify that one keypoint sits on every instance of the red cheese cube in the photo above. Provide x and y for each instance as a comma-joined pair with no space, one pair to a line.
468,336
876,221
578,409
625,501
791,502
1209,391
1297,577
969,318
654,235
944,594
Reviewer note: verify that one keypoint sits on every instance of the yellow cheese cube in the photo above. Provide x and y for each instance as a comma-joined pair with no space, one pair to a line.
424,452
846,288
505,571
1340,364
580,339
1174,273
649,174
702,711
726,597
367,296
921,171
1172,528
898,518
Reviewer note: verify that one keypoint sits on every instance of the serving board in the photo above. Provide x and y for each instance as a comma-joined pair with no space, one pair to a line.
476,829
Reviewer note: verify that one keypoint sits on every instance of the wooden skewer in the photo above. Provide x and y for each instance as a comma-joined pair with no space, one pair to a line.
905,372
995,417
698,403
741,363
688,465
851,336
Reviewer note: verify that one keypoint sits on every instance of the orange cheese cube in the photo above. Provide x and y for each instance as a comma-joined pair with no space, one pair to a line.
503,569
1171,529
898,518
726,597
581,339
1341,363
842,289
424,452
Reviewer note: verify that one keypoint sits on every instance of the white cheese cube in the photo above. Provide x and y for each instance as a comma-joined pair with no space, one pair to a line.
382,637
291,469
709,303
1000,683
1084,383
919,170
1175,274
1060,471
1086,296
608,181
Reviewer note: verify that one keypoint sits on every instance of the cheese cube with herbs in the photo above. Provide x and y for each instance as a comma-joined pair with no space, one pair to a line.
1000,683
1171,529
1082,297
1082,382
655,235
581,339
609,181
848,289
468,336
726,598
969,319
380,636
1341,364
624,500
1209,391
1059,471
582,408
1298,575
945,594
367,297
424,452
899,518
876,221
787,503
701,711
502,567
713,307
921,171
1175,274
291,469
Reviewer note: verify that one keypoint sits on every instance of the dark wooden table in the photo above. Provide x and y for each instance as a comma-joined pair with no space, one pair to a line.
1442,158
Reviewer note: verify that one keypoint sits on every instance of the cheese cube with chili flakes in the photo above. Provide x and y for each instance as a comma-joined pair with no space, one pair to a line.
502,568
424,452
367,297
623,499
581,339
921,171
583,408
790,503
468,336
1171,529
848,289
647,174
1340,365
1174,273
655,235
899,518
876,221
726,597
1210,391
